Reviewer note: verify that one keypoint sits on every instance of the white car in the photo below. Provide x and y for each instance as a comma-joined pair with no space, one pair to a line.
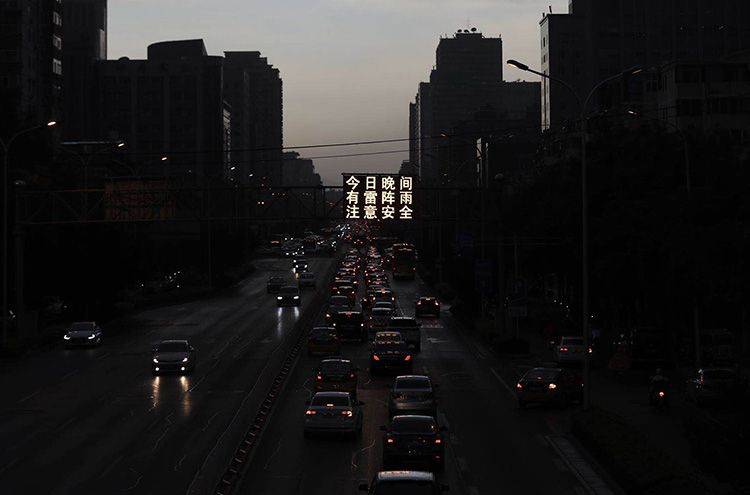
570,350
333,412
306,279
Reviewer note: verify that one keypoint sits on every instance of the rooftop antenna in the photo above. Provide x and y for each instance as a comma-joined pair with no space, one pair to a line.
550,9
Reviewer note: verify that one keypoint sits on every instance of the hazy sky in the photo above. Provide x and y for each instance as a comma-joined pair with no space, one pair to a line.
350,67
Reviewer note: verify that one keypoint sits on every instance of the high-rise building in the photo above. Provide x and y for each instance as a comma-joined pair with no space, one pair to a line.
85,35
253,84
449,113
170,105
31,65
299,171
600,38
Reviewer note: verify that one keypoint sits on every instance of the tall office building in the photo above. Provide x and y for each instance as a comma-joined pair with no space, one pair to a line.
31,66
600,38
255,86
85,35
449,113
169,105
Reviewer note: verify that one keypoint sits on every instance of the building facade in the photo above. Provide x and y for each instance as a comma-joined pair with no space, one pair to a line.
600,38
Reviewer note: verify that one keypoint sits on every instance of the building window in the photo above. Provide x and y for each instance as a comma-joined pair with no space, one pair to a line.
56,19
56,66
57,42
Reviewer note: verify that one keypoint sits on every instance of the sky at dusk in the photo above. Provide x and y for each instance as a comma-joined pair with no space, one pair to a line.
350,67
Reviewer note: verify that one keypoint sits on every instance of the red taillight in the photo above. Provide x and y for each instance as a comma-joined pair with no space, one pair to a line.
408,357
375,357
519,386
563,349
310,412
348,414
438,441
319,377
389,440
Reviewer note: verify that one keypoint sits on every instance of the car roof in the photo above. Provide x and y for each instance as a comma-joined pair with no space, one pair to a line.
405,377
405,475
421,417
290,287
427,297
336,360
174,341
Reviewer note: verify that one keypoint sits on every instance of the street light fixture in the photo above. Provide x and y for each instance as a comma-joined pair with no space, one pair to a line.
582,106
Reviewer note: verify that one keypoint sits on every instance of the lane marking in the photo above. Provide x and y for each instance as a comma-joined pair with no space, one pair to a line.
268,462
132,487
208,423
30,396
158,440
179,463
110,467
502,382
356,454
579,466
65,425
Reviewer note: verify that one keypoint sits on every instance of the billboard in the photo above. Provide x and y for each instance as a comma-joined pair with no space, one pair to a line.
130,200
378,197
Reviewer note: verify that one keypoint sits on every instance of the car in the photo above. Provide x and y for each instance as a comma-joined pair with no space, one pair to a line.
346,290
403,482
391,355
412,394
274,284
306,279
383,295
83,334
288,296
323,340
336,375
388,336
383,304
333,412
410,330
173,355
350,325
569,350
379,317
413,440
549,386
427,306
299,265
714,385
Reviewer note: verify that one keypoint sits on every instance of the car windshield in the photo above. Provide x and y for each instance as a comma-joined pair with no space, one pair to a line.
405,487
412,382
339,301
718,374
381,312
82,327
413,425
289,290
172,347
308,275
572,341
335,367
330,401
403,322
389,346
541,375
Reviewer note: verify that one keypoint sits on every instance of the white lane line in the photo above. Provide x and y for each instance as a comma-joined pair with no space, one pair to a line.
68,375
158,440
132,487
30,396
65,425
179,463
109,468
268,462
196,384
502,382
208,423
356,454
105,355
589,479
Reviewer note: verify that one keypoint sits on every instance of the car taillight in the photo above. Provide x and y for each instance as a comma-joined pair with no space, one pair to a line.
661,393
389,440
438,441
563,349
408,357
351,375
519,386
590,350
348,414
375,357
319,377
310,412
552,386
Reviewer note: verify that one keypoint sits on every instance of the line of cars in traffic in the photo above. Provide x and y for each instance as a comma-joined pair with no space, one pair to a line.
413,443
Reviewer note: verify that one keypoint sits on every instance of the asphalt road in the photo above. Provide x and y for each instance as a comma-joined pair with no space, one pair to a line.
492,448
97,421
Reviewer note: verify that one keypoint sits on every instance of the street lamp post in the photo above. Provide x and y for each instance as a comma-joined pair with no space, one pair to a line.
582,105
5,146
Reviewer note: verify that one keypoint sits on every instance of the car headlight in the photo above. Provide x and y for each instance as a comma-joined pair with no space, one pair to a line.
156,360
184,360
66,337
279,298
296,297
92,336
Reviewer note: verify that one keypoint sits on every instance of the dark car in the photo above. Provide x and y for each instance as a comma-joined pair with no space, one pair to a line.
427,306
410,330
403,483
413,441
173,356
390,356
350,325
412,394
711,385
323,340
83,333
300,265
288,296
549,386
336,375
274,284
